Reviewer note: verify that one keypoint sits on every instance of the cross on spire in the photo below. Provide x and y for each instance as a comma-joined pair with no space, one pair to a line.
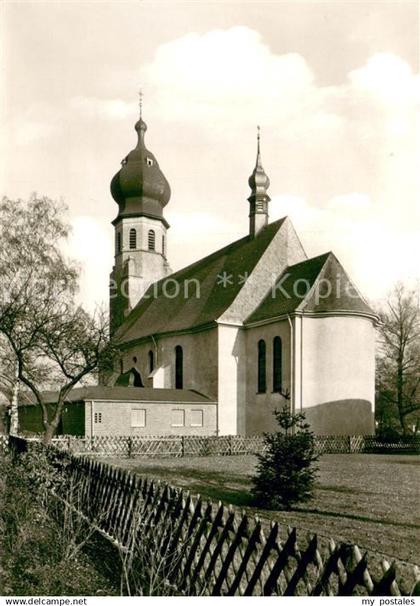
141,102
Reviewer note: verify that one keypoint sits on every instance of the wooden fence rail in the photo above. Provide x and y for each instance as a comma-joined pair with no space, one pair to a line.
202,548
180,446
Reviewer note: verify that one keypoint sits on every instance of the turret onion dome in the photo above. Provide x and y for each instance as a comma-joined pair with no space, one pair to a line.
259,181
140,188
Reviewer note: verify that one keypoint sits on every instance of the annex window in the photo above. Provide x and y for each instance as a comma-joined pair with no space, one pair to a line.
277,364
133,238
196,418
177,418
151,356
118,242
262,383
179,367
138,417
98,417
163,246
151,239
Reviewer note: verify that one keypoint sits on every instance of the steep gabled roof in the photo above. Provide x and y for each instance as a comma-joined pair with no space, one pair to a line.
123,394
317,285
162,311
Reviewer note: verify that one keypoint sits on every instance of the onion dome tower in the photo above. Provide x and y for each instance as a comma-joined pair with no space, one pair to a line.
141,191
259,199
140,188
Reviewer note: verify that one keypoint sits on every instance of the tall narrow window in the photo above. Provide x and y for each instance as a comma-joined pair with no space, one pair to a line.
163,246
151,239
118,242
133,238
151,361
277,364
179,367
262,383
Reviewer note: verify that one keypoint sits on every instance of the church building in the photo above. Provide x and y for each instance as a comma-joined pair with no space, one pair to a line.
248,328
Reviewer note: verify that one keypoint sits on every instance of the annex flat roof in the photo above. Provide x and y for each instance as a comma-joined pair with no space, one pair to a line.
124,394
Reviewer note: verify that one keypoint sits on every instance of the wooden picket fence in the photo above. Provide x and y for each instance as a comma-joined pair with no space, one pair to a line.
200,548
181,446
205,549
4,443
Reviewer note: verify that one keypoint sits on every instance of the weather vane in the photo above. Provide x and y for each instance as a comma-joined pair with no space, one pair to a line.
141,102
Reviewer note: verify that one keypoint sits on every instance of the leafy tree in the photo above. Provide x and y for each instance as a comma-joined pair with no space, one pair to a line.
398,361
54,342
285,471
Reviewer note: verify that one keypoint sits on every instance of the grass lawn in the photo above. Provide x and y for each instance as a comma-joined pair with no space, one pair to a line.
370,500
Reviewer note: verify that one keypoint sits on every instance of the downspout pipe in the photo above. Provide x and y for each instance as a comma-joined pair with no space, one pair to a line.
292,365
156,350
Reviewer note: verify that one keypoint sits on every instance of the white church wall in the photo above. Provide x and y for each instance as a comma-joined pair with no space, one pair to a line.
231,380
260,406
200,360
338,374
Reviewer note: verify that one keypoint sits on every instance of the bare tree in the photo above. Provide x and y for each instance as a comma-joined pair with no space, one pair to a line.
54,342
398,364
9,384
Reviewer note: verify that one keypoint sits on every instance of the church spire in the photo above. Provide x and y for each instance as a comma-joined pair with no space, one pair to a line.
259,199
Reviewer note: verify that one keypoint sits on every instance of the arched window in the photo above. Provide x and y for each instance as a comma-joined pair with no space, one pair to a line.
133,238
277,364
262,382
151,361
151,239
179,367
118,242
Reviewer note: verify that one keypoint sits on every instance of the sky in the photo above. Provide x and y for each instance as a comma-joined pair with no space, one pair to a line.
335,87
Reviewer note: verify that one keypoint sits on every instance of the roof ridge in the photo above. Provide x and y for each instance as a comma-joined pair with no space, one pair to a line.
240,256
224,249
309,259
305,299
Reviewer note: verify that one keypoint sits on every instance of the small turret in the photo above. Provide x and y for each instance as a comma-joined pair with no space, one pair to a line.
259,199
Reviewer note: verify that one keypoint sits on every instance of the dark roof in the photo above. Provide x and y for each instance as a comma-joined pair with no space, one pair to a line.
296,289
131,378
140,394
156,313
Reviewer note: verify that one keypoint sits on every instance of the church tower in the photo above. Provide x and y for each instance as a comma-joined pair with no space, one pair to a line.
141,192
259,199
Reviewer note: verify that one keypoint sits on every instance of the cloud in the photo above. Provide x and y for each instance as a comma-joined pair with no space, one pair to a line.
388,78
367,245
222,70
343,160
105,109
346,156
90,245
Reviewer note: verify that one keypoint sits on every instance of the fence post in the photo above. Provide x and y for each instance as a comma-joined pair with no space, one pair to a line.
230,445
130,447
182,446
